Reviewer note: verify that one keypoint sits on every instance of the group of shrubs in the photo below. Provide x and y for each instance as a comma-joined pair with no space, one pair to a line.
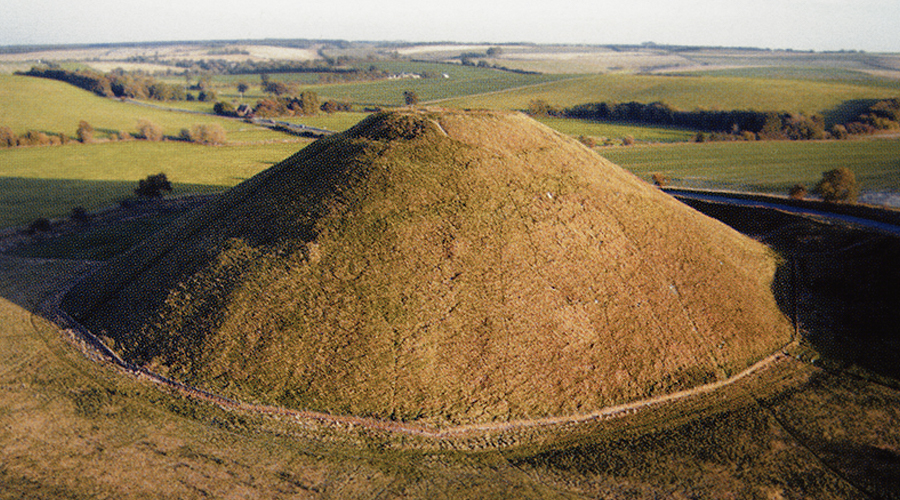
304,104
207,133
838,185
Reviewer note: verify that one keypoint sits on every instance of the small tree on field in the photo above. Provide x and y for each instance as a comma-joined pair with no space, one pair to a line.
85,132
243,87
149,130
8,138
659,179
79,214
838,185
410,98
798,192
309,103
153,186
540,107
40,225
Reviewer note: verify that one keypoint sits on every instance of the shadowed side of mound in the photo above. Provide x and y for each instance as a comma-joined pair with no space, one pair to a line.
444,268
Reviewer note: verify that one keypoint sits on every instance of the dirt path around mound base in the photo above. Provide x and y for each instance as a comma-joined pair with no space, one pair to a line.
97,351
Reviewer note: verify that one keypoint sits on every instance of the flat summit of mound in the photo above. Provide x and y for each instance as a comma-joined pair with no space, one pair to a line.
443,267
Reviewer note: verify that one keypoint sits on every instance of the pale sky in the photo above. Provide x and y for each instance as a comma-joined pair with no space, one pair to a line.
870,25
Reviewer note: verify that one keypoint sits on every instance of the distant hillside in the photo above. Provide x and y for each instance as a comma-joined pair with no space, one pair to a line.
441,267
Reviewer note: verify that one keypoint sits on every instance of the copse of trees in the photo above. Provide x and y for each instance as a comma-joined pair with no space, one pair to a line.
883,115
733,125
115,84
307,103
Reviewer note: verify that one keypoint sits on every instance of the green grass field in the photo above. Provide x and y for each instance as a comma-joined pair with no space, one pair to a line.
462,81
50,181
765,166
337,122
28,103
616,131
688,93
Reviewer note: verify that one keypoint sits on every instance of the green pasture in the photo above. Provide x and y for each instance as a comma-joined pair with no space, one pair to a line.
767,166
616,131
828,75
462,81
337,122
686,92
50,181
28,103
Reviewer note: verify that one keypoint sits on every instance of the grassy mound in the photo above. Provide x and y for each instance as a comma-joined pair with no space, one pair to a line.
441,267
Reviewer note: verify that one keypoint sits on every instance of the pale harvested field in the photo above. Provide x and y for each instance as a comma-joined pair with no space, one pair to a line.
195,52
592,62
441,49
106,67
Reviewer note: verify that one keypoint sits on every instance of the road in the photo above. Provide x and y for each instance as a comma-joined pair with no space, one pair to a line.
725,198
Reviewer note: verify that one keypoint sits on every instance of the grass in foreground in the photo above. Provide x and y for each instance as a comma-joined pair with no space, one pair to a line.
70,428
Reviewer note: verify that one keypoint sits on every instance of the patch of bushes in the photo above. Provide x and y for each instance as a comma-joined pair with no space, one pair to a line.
149,130
205,133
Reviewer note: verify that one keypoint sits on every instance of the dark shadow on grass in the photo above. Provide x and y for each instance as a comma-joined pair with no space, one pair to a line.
121,222
22,200
847,111
839,285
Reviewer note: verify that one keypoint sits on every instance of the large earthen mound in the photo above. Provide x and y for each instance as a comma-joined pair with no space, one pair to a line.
441,267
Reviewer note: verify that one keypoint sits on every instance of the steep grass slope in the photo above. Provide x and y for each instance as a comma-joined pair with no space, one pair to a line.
441,267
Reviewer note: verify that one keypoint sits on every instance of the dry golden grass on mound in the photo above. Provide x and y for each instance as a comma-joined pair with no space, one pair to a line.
445,268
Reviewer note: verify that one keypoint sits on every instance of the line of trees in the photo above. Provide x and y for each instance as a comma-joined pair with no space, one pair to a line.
745,125
120,84
730,125
147,130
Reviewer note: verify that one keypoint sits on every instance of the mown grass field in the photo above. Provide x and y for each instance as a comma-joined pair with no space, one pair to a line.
50,181
49,106
767,166
616,131
688,93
